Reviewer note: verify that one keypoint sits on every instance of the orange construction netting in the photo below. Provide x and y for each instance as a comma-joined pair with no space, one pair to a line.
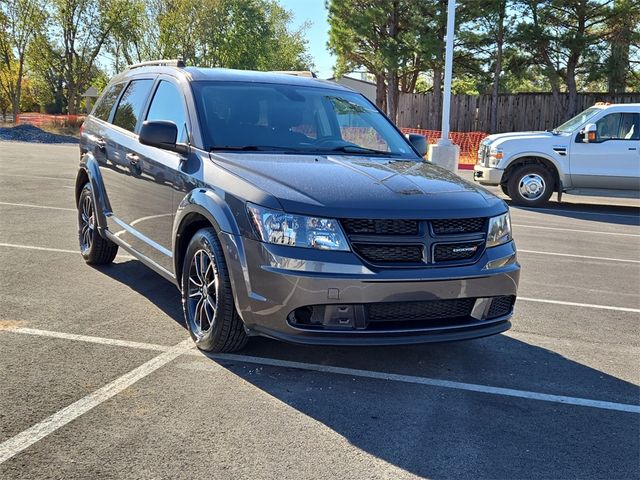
40,119
469,142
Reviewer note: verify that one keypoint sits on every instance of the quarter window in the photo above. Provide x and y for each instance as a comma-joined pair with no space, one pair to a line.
131,104
167,105
104,106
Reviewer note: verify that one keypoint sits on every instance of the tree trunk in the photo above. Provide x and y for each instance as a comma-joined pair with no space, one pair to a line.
381,92
393,96
498,67
434,124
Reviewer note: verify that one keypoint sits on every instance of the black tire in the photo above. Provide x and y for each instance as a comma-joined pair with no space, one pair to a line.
540,180
95,249
505,190
224,330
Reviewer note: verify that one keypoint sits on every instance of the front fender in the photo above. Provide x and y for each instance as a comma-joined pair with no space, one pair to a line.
208,204
89,166
558,164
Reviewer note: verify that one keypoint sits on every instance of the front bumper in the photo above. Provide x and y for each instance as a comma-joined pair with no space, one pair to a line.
487,175
272,281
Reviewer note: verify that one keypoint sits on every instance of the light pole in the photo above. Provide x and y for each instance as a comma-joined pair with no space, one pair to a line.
445,153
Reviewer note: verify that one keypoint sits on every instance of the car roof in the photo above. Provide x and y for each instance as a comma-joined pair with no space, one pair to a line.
196,74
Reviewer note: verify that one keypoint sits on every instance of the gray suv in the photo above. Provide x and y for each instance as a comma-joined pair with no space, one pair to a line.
291,208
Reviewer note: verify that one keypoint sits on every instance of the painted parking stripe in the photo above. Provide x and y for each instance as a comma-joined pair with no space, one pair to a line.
432,382
88,339
520,225
26,438
576,304
577,212
28,205
571,255
43,177
57,250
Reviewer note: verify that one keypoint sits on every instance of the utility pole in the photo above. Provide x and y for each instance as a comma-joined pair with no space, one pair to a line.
445,153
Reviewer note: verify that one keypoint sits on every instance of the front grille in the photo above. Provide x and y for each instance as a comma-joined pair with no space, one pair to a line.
449,252
382,253
501,306
380,227
417,242
429,310
458,225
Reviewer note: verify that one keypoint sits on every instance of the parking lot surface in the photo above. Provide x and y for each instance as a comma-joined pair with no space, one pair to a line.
99,382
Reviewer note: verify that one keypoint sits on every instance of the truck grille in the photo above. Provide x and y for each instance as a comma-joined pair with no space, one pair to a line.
416,243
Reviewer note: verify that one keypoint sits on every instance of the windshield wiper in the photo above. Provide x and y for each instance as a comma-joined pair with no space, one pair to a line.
357,149
254,148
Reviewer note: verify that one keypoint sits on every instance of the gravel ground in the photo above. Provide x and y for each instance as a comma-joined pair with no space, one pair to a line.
29,133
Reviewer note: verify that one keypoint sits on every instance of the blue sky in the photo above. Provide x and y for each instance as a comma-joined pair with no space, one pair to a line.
315,13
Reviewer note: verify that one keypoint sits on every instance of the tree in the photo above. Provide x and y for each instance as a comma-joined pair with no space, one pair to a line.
81,31
20,21
623,32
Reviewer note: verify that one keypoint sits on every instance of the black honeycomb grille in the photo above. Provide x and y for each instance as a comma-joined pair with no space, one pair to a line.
380,227
389,253
449,252
501,306
429,310
458,225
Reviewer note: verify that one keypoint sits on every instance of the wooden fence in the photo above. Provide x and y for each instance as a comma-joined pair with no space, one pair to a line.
516,112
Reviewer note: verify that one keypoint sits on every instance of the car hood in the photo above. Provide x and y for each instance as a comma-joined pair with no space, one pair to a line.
343,186
500,138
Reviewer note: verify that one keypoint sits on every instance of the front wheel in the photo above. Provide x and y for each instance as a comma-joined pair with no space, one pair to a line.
95,249
530,185
207,299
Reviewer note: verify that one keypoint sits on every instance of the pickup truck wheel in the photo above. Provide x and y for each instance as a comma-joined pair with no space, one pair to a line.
207,299
504,189
94,249
530,185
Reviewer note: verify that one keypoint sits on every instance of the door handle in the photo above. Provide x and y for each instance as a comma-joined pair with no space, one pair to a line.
132,157
101,143
632,148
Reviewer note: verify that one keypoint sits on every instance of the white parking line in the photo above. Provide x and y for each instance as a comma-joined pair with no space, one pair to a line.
432,382
58,250
28,205
25,439
36,176
520,225
578,212
576,304
571,255
88,339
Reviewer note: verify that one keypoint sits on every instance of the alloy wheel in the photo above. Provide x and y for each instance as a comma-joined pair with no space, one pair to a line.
87,223
202,292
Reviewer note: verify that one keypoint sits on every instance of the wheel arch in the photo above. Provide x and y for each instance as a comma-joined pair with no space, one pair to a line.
533,159
89,171
201,208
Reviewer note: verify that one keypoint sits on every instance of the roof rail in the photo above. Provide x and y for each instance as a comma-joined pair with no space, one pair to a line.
176,62
297,73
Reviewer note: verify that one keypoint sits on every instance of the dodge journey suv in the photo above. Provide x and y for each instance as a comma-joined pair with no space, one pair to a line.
291,208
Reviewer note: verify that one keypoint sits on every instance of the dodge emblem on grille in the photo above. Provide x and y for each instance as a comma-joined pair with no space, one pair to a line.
464,249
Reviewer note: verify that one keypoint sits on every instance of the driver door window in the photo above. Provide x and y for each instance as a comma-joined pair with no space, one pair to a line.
618,126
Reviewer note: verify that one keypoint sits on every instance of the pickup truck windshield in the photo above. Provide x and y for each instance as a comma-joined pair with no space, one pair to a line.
292,119
570,125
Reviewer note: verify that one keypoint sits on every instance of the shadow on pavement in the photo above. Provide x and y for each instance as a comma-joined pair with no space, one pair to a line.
614,214
438,432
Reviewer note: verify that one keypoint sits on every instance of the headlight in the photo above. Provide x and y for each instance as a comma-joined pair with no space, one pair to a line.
495,155
275,226
499,230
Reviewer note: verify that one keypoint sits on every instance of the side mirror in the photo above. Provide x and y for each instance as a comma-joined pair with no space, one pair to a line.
419,142
589,134
161,134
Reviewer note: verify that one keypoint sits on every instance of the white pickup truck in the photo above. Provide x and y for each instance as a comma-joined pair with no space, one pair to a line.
597,152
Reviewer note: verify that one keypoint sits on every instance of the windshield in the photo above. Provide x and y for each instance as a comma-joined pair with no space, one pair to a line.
293,118
570,125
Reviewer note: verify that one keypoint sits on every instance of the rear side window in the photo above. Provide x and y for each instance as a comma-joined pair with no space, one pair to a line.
131,104
103,107
167,105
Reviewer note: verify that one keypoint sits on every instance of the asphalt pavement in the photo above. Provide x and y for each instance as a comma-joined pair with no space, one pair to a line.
98,380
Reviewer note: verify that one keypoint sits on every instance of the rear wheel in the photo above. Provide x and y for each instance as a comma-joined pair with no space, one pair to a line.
94,249
207,298
530,185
